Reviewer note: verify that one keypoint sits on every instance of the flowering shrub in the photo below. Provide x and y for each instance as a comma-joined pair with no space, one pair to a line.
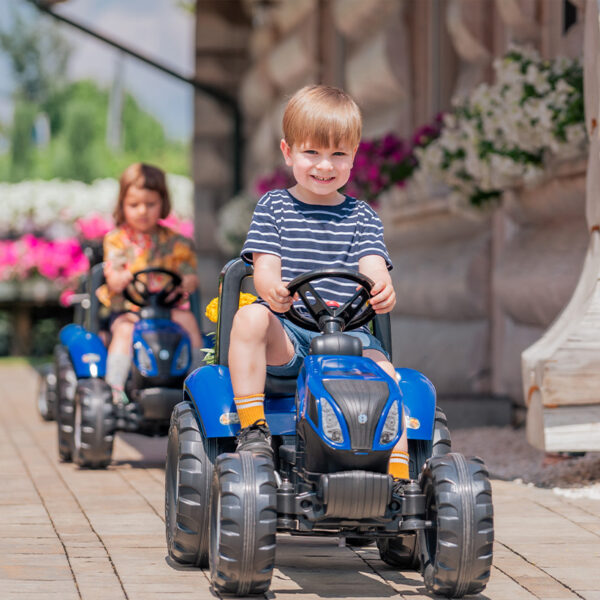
60,260
233,222
507,132
47,224
35,206
383,163
212,308
212,313
280,178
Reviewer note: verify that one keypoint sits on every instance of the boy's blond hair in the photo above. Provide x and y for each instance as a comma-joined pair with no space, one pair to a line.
322,115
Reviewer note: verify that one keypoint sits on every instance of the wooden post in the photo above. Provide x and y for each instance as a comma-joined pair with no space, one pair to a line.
21,340
561,371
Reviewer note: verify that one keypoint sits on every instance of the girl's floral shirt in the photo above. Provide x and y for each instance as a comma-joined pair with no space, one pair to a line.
125,248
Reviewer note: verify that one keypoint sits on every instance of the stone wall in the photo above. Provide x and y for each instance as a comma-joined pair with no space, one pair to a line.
473,292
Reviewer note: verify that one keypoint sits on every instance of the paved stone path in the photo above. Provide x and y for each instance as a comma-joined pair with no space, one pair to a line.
67,533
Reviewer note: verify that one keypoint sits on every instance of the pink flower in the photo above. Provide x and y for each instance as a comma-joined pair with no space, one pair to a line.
65,297
185,228
94,227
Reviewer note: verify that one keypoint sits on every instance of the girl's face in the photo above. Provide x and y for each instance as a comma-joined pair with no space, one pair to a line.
142,208
319,172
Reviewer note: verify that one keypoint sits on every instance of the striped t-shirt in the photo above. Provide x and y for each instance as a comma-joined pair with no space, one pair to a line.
308,237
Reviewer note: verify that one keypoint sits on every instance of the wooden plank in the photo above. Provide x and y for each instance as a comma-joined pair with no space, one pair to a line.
572,428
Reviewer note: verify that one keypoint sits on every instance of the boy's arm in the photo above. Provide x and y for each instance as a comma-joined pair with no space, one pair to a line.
383,296
268,283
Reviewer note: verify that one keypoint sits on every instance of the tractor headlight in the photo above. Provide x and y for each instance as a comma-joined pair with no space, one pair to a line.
143,358
390,427
330,423
183,357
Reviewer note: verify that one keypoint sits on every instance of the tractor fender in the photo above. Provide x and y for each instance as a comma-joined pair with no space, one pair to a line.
87,352
419,399
209,390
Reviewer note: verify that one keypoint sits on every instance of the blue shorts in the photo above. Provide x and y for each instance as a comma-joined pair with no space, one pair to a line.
301,338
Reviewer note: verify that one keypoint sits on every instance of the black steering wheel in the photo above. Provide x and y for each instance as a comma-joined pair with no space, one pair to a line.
137,291
353,314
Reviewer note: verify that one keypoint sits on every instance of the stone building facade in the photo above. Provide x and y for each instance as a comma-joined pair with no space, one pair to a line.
474,291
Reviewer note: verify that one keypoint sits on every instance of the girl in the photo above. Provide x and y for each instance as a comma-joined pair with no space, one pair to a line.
138,242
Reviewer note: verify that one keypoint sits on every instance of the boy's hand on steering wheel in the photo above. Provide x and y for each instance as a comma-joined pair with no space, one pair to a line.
278,297
383,297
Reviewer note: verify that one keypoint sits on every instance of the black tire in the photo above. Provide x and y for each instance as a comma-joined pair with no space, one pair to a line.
420,450
46,400
188,479
359,542
93,424
243,524
456,553
66,382
401,552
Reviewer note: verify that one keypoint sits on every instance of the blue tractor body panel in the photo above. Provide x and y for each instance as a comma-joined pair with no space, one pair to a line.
419,399
318,369
141,346
209,389
87,352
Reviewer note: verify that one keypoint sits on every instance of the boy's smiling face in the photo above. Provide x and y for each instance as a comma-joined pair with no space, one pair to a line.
319,172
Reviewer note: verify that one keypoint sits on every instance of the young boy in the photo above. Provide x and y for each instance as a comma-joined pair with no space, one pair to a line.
307,227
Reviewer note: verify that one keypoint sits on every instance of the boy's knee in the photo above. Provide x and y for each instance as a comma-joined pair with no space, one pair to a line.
251,320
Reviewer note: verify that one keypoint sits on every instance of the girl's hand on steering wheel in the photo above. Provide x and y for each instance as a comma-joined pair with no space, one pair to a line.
188,283
118,279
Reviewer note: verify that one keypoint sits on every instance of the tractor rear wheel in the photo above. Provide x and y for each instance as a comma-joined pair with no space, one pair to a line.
420,450
46,399
400,552
188,479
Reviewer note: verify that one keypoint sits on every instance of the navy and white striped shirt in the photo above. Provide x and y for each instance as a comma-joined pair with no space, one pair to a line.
308,237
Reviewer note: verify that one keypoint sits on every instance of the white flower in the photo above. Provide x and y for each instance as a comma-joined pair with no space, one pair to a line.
233,222
35,205
503,129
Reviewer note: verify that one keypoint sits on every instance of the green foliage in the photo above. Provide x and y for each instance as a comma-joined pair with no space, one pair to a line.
21,142
44,336
209,353
38,55
5,333
78,115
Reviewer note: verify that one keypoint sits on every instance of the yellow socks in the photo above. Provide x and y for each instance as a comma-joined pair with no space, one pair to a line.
398,465
250,408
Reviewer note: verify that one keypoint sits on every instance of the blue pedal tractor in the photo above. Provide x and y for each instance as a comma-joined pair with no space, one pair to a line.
333,429
86,417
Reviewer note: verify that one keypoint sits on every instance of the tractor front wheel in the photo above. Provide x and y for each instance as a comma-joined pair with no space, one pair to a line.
93,424
188,478
456,553
243,524
66,382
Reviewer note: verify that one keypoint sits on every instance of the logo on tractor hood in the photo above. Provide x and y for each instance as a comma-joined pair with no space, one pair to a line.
229,419
90,357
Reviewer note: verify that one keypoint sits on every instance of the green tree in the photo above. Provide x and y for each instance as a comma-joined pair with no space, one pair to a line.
38,55
21,142
77,113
